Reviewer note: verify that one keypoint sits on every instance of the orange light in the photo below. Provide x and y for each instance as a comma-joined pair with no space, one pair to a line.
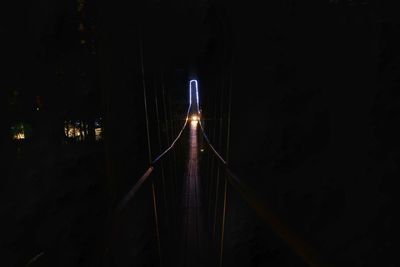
195,118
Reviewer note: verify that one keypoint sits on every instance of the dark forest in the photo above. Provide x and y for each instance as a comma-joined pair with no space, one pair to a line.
287,156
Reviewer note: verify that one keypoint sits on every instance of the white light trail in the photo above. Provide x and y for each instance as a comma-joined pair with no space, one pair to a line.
190,92
197,92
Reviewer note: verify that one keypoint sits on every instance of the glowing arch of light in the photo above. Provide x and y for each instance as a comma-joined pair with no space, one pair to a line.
197,91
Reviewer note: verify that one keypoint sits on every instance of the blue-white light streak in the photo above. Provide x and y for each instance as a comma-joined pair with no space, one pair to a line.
197,92
190,92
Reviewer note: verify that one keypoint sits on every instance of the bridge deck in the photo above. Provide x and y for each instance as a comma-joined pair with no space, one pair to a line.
195,246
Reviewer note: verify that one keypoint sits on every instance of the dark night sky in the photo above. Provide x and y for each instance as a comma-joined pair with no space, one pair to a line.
315,105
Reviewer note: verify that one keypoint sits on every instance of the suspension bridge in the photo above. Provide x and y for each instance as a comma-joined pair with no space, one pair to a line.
189,219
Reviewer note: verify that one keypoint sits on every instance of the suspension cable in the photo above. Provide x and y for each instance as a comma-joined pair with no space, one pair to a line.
212,163
226,179
172,183
176,139
218,168
147,173
173,156
143,178
299,246
145,101
149,151
160,145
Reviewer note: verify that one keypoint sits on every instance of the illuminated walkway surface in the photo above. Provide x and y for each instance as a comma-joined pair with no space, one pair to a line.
194,246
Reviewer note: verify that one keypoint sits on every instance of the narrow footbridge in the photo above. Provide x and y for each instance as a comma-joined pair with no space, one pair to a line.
192,232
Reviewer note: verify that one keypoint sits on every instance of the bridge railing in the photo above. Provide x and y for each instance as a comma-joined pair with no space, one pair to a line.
150,169
115,217
297,244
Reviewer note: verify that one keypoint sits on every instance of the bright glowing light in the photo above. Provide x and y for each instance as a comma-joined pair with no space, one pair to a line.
73,131
19,132
194,82
195,118
80,131
19,136
197,96
98,134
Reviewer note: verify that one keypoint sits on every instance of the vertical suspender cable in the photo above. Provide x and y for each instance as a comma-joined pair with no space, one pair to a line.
212,160
174,174
162,164
223,224
145,101
164,106
207,173
149,150
207,168
172,181
227,162
218,168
